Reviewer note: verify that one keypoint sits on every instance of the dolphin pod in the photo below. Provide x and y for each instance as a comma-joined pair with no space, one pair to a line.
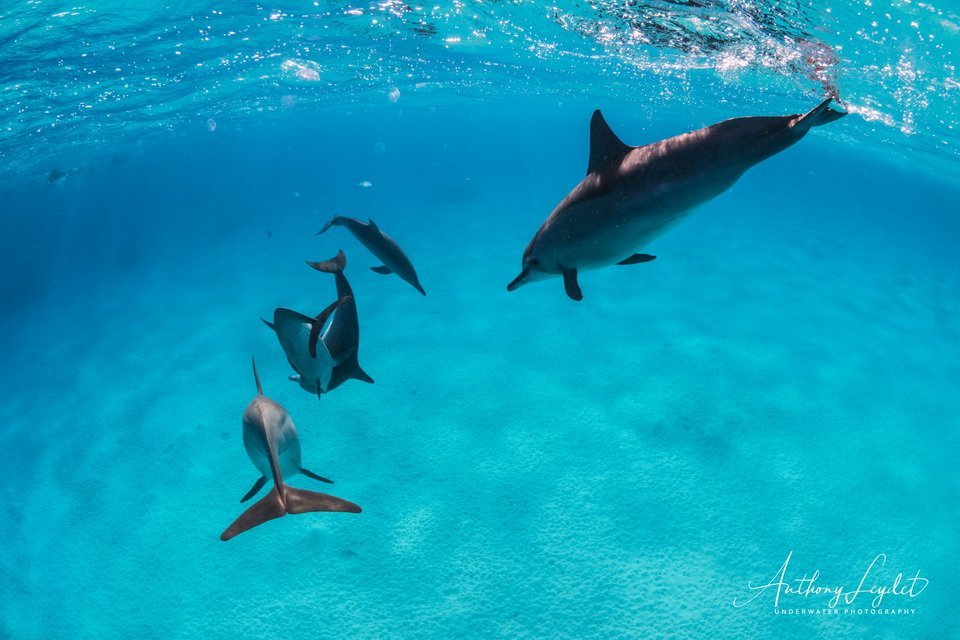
273,446
382,246
631,195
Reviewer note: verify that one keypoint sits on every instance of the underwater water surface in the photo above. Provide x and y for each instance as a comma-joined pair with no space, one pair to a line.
778,386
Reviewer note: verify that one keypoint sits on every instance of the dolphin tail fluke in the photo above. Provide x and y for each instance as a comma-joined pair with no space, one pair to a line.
335,264
329,224
273,506
303,501
819,115
268,508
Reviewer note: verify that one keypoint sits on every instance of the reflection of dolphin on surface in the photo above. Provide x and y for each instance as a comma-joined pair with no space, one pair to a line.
631,195
382,246
342,337
299,336
271,441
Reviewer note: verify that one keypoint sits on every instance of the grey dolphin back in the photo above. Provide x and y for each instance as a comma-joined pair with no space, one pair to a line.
342,338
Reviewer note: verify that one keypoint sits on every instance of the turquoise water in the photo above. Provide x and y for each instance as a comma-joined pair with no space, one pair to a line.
782,380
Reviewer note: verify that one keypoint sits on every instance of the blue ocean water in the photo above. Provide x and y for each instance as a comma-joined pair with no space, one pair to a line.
779,386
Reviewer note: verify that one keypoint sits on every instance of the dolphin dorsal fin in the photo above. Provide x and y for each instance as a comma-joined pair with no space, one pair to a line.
605,146
256,377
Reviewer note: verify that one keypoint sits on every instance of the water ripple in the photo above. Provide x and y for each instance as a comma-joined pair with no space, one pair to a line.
74,76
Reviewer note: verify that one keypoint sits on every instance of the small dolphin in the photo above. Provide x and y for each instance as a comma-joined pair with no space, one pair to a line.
299,336
631,195
271,441
342,337
382,246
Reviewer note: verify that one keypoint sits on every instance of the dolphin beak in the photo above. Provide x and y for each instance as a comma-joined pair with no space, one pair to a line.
518,281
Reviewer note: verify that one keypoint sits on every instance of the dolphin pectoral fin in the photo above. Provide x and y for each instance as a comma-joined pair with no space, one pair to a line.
571,286
385,270
262,480
301,501
269,324
637,258
268,508
311,474
349,368
361,375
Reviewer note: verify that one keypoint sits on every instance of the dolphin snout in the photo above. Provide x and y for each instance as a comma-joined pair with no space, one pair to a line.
520,280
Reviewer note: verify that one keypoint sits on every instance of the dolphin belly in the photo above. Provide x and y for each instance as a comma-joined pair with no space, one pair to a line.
604,231
315,372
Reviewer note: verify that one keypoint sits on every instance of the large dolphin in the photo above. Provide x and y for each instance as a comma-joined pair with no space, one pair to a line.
631,195
342,337
271,441
300,338
381,245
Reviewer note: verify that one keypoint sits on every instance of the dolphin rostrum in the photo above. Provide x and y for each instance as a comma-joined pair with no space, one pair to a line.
300,338
382,246
631,195
342,337
271,441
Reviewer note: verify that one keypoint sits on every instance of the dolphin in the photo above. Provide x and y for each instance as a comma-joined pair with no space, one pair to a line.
271,441
342,337
382,246
300,338
631,195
